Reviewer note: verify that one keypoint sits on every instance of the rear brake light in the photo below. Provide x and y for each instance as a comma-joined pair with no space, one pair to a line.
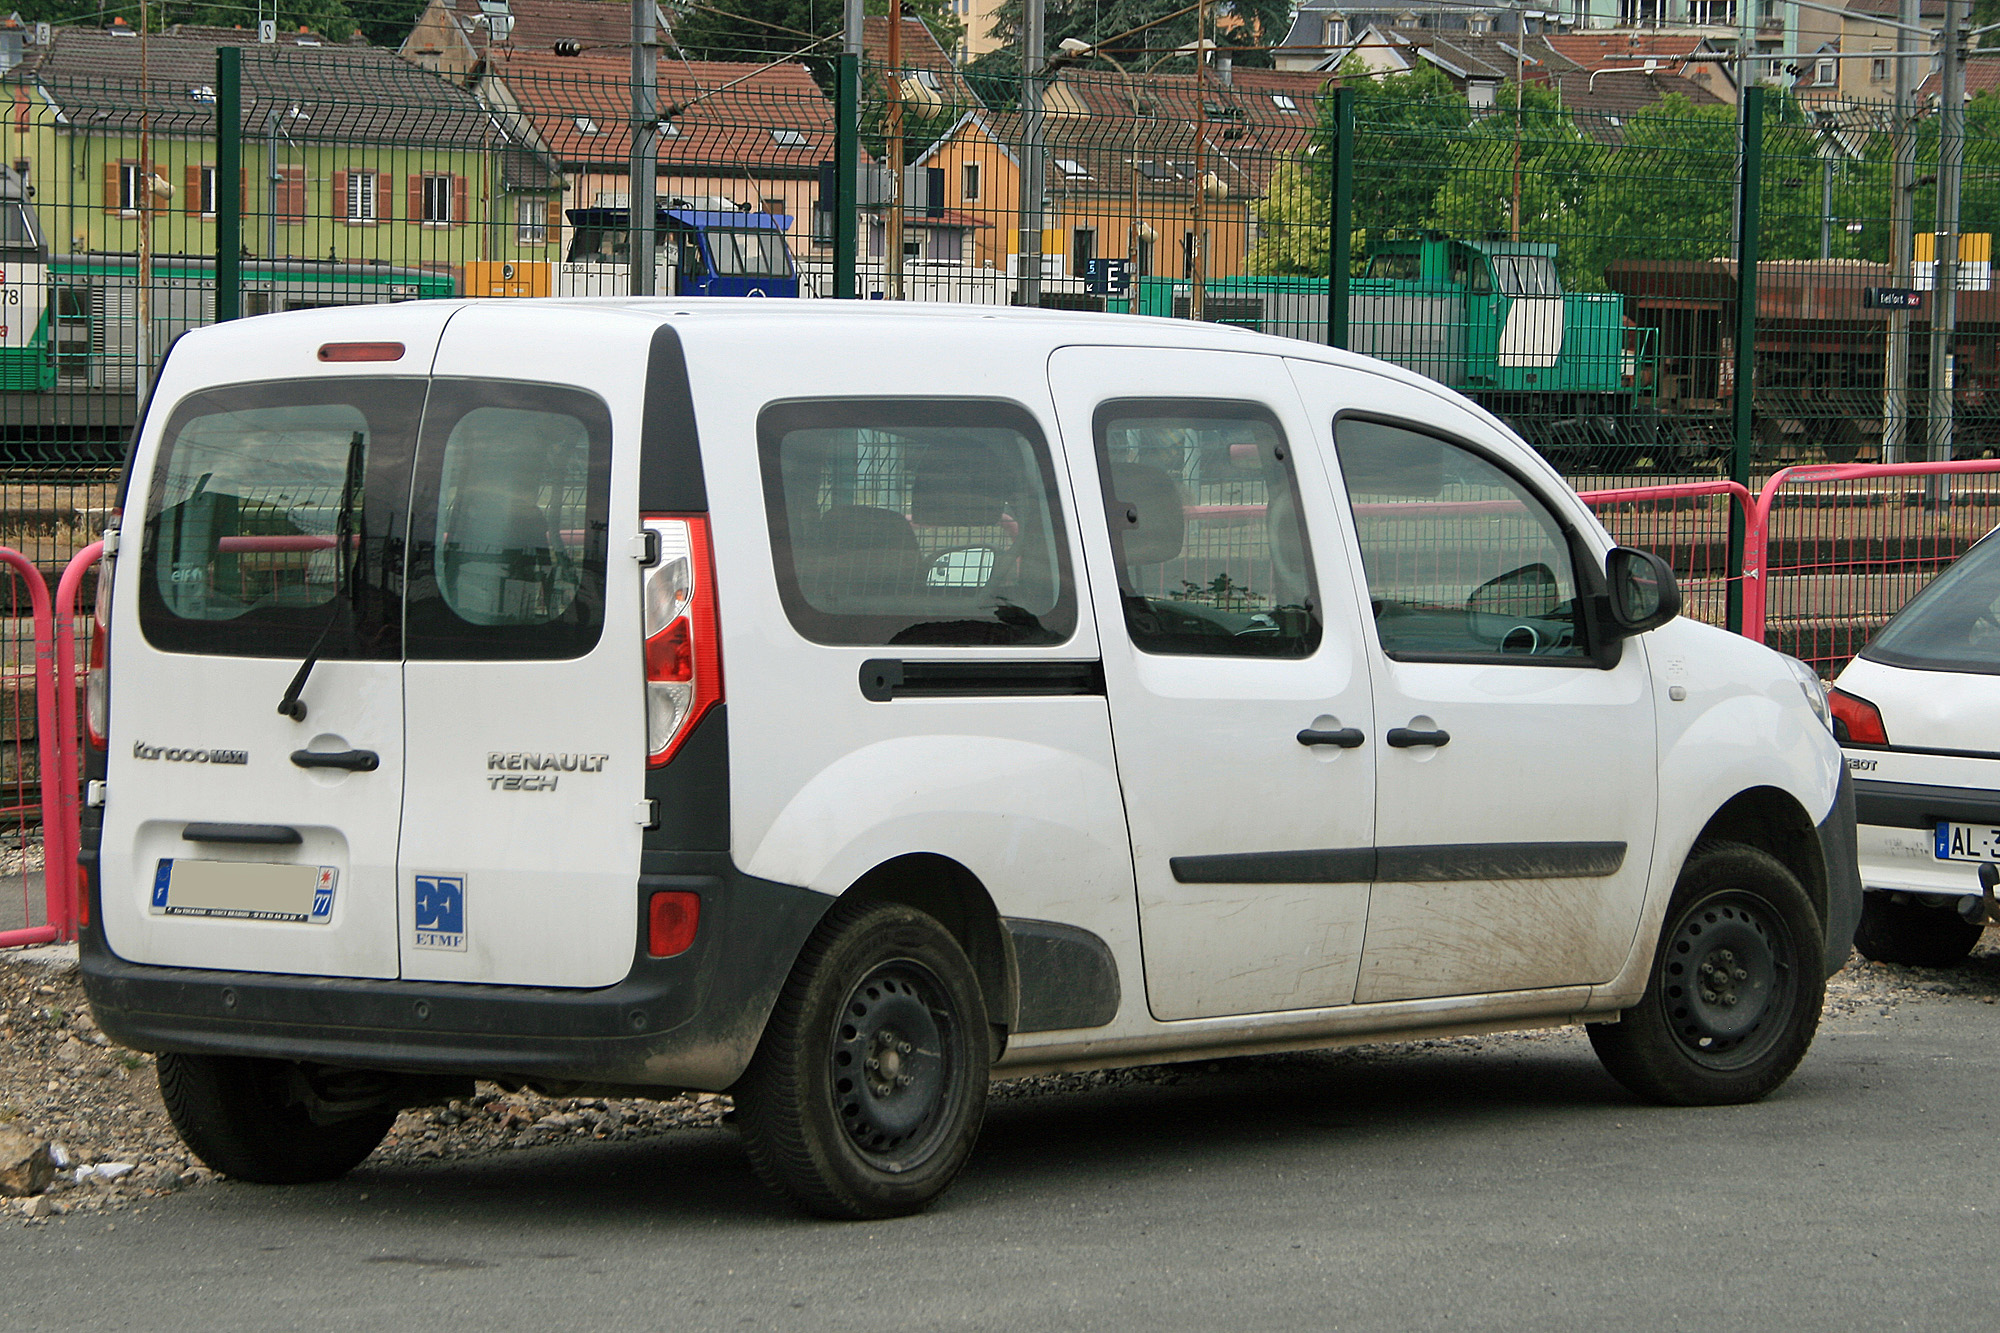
671,920
683,654
97,674
1856,720
361,352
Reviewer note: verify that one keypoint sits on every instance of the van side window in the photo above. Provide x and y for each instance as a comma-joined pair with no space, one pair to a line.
1202,501
915,521
1463,559
510,522
274,520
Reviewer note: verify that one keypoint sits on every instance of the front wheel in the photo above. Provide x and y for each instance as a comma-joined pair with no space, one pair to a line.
869,1086
1736,987
263,1120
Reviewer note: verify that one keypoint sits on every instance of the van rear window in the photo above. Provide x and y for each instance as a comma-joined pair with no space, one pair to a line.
915,521
272,515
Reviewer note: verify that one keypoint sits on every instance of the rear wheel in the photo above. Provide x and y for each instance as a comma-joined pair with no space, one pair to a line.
263,1121
869,1086
1736,989
1915,933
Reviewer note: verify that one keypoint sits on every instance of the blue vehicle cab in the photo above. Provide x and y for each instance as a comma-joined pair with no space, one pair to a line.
702,252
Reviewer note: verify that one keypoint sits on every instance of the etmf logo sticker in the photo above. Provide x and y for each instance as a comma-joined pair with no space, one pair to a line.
441,912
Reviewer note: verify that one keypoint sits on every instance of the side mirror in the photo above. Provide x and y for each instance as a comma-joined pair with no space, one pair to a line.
1643,592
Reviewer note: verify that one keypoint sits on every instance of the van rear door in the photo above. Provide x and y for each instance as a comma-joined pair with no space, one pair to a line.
262,547
525,678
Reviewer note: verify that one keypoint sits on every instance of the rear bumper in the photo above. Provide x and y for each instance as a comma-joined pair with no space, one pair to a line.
687,1022
1898,822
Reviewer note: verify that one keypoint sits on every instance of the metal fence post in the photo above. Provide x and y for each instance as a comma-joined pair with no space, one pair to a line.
1340,244
1748,208
846,171
228,182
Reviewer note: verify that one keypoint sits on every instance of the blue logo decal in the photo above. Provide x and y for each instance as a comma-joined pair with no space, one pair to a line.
162,878
440,918
322,908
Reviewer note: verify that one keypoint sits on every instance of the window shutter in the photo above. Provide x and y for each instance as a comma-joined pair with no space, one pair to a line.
342,211
458,200
416,197
111,187
289,194
385,196
191,190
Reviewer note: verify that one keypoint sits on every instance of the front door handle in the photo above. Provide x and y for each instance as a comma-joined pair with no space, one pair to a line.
1347,738
1402,738
358,761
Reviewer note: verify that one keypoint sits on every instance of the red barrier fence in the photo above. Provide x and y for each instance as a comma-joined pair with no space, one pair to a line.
32,780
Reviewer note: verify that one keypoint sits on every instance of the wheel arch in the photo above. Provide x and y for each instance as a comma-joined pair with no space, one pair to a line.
1771,820
949,892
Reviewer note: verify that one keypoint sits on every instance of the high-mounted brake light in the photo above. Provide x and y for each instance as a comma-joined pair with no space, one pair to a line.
97,675
683,649
1856,720
361,352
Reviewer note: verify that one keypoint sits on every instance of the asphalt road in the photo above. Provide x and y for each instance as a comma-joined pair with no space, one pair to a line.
1507,1187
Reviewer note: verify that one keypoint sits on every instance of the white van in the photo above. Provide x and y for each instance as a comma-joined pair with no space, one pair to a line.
842,704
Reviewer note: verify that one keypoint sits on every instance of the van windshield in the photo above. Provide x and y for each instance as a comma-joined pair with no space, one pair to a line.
1953,624
245,541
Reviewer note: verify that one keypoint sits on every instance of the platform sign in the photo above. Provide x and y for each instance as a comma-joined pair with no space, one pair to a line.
1107,277
1975,261
1892,298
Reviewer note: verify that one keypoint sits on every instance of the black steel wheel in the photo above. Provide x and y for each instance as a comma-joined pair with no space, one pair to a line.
1736,987
869,1085
256,1119
1916,933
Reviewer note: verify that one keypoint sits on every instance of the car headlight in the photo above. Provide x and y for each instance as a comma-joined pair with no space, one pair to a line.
1813,688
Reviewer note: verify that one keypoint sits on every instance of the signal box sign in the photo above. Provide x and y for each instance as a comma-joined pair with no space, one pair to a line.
1107,277
519,277
1892,298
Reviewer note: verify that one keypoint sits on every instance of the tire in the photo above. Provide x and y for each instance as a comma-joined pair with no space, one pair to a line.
246,1118
1739,911
1914,933
827,1126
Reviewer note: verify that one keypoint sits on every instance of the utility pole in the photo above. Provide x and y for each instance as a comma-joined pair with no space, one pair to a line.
644,157
893,240
1746,52
1944,314
1902,207
847,155
1033,168
1197,251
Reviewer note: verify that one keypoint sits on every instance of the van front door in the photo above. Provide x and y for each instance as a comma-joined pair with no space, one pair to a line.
1232,657
524,679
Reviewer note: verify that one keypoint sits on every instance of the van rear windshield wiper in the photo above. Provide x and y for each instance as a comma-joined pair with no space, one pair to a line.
344,581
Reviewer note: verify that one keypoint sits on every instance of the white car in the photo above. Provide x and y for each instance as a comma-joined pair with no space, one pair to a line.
1918,717
837,703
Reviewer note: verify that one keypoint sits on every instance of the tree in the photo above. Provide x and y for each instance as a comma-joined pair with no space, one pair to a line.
773,29
332,19
1245,25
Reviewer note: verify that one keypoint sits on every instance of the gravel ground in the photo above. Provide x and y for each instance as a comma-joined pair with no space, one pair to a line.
61,1079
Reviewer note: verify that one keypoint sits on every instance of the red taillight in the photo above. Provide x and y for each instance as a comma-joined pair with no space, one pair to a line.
97,674
1856,720
361,352
671,920
683,653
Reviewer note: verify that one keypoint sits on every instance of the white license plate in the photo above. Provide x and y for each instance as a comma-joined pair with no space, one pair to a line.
1967,842
244,890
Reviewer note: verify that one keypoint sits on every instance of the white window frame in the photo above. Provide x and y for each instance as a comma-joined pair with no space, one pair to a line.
131,187
205,183
529,228
437,200
362,203
969,182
